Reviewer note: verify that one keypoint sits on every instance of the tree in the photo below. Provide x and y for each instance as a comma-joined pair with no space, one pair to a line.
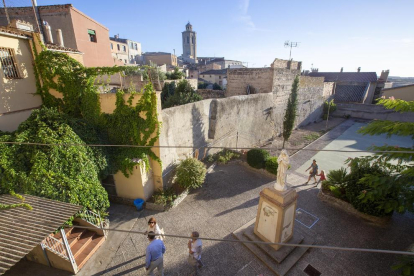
290,115
191,173
183,94
216,86
400,182
167,91
175,75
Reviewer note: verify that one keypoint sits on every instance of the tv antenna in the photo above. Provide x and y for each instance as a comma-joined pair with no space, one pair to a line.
291,45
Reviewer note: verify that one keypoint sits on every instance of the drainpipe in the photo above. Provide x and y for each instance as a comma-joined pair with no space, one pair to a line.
59,37
38,19
7,13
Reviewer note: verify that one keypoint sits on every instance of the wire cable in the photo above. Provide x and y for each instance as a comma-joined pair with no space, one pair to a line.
262,242
206,146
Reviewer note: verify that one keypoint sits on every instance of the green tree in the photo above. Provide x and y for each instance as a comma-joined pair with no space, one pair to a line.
290,115
183,94
400,181
202,85
167,91
216,86
175,75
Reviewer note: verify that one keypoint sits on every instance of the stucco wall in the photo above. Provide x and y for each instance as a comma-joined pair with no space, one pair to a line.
248,120
405,93
17,95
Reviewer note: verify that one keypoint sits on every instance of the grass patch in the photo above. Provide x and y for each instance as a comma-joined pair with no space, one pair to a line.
222,157
311,137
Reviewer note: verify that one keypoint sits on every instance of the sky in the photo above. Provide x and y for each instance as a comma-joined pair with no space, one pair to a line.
373,35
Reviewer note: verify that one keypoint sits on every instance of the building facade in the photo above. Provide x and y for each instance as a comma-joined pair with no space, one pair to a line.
215,76
160,58
125,50
78,31
405,93
189,44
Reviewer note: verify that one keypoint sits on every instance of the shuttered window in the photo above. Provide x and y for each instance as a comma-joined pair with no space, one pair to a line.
9,64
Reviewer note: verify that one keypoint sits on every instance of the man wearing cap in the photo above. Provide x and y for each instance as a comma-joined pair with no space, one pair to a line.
154,255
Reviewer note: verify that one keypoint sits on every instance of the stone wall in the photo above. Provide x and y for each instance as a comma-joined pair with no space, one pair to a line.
211,94
260,79
240,121
371,112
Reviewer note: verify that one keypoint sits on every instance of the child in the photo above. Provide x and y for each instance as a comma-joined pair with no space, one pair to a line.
322,175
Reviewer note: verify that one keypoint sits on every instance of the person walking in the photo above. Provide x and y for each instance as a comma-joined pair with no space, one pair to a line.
322,177
154,255
195,247
313,171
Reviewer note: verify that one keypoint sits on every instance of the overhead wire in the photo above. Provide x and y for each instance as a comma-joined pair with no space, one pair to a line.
206,146
355,249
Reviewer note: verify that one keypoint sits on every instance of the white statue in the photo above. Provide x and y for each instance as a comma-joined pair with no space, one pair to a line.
283,161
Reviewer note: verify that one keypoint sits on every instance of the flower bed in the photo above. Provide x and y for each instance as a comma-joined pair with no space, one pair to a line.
163,201
347,207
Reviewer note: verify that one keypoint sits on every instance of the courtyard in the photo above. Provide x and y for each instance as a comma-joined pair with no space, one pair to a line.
229,199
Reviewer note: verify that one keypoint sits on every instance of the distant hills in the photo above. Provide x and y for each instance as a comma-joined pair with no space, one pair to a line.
400,81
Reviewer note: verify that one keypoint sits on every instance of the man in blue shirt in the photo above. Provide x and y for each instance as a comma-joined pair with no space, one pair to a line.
154,253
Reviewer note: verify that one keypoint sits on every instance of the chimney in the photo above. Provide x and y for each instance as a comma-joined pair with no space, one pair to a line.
48,32
116,36
342,69
359,69
59,37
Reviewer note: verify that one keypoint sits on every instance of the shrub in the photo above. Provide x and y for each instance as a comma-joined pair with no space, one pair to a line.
331,106
271,165
183,94
202,85
223,157
191,173
216,86
164,197
256,158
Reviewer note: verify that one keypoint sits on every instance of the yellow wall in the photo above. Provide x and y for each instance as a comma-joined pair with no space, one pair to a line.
17,94
405,93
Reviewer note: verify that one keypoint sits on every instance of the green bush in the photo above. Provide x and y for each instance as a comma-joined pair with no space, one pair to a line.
165,197
256,158
223,157
271,165
64,172
216,86
191,173
202,85
331,106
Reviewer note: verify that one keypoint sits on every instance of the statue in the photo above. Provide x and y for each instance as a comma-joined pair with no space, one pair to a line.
283,165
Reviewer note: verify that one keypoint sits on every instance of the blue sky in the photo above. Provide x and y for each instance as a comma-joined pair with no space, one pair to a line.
373,35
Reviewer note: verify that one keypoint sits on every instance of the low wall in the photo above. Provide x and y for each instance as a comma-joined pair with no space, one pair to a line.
239,121
371,112
211,94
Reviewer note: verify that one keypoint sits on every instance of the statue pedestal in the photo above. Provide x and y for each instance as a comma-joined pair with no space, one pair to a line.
276,215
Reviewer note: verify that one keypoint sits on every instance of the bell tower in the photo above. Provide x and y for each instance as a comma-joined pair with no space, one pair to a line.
189,44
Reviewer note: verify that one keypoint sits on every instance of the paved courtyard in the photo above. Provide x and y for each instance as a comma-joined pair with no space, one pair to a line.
228,200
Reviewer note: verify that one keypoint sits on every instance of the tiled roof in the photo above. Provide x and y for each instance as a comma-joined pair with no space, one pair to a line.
346,76
122,40
215,72
60,48
350,93
155,53
398,87
15,31
21,229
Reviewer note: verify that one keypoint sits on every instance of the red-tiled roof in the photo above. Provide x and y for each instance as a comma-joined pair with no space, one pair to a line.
15,31
60,48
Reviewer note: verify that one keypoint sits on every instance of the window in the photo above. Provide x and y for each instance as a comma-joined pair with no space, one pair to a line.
136,47
219,77
188,39
92,35
9,64
124,48
131,45
119,49
125,59
192,38
112,46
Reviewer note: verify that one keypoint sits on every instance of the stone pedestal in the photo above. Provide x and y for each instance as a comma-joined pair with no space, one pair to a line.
276,215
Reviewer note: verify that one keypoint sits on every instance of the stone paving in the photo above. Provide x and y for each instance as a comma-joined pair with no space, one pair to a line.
228,200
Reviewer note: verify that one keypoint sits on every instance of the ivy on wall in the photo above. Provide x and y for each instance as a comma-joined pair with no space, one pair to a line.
66,172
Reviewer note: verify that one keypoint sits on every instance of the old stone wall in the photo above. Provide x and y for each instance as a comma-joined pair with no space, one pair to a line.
240,121
260,79
210,94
